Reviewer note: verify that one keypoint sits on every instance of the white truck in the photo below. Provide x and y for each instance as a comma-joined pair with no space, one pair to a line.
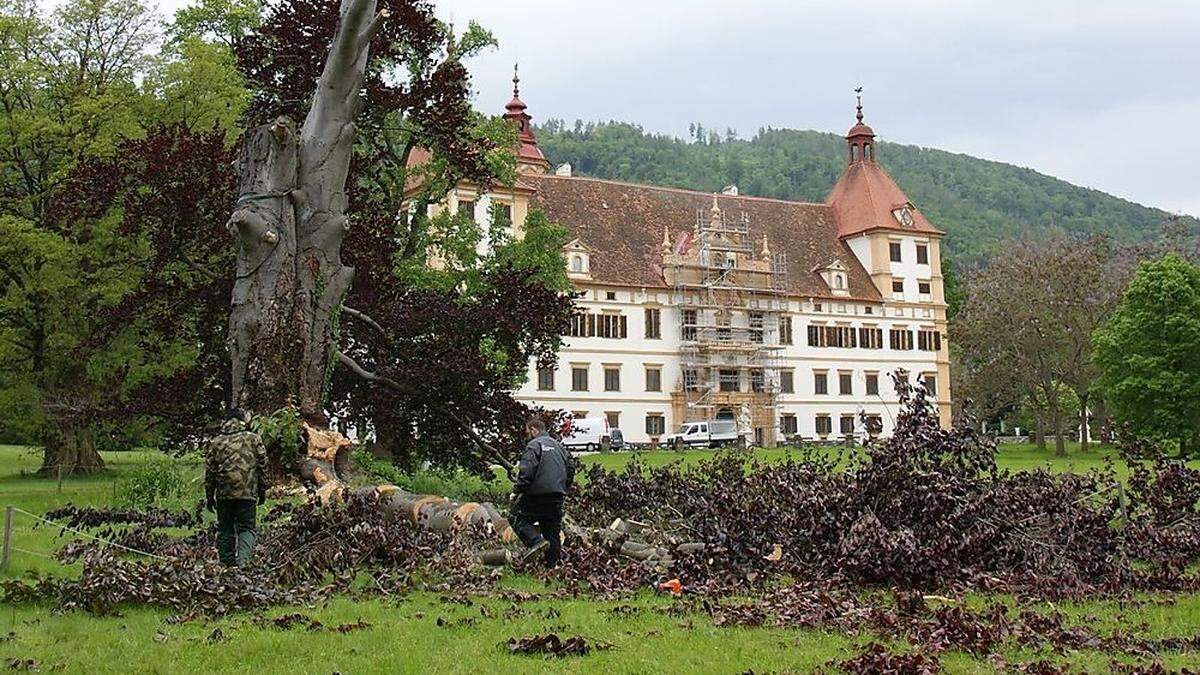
586,434
708,433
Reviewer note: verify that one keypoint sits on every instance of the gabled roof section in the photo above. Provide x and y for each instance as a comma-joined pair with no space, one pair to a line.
623,225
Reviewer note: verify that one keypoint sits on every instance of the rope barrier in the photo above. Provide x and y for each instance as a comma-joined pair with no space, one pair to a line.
85,534
39,554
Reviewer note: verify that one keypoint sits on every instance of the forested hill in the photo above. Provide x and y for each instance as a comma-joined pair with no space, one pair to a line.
979,203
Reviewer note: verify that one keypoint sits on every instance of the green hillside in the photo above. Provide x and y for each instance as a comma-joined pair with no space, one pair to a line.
979,203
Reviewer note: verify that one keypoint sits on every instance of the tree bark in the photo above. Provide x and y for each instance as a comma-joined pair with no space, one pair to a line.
1084,443
70,451
289,223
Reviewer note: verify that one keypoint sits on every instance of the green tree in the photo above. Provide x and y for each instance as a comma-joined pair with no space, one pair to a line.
1149,353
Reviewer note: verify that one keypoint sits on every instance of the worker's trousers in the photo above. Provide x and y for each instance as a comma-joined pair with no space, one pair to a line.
547,512
235,530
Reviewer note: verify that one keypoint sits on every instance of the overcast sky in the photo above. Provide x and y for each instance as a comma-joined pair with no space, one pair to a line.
1102,93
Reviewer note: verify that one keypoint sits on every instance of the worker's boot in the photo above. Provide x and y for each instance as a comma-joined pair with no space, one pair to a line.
534,550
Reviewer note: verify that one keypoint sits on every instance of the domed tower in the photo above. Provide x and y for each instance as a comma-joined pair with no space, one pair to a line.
896,244
529,156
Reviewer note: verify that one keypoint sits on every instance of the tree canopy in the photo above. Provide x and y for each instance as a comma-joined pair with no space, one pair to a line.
1149,353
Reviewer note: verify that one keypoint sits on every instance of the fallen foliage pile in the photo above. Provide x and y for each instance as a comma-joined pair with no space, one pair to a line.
926,511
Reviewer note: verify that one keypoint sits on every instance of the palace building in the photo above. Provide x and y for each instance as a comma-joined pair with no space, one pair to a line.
788,316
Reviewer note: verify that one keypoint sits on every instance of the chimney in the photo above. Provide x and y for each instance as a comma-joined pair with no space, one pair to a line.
563,169
730,190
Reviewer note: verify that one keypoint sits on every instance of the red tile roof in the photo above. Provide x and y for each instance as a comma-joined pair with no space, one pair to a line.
864,199
622,225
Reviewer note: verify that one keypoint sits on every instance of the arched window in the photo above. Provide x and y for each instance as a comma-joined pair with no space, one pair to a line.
577,263
838,282
854,152
868,153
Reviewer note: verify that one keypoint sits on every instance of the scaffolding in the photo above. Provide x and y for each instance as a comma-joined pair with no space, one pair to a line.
730,304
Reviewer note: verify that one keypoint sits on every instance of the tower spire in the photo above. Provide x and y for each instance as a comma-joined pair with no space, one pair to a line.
529,157
860,140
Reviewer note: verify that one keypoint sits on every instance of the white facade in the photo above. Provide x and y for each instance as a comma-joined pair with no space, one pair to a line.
631,356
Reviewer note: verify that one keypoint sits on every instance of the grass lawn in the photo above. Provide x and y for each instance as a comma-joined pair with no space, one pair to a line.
404,635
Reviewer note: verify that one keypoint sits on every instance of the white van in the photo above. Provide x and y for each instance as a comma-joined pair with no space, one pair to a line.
709,433
586,433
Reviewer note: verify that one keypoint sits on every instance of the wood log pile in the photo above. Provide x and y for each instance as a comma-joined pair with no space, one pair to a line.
327,454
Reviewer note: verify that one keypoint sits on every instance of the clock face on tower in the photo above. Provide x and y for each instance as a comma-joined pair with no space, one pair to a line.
905,215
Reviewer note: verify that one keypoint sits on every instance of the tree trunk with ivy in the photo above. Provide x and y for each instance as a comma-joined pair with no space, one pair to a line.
289,224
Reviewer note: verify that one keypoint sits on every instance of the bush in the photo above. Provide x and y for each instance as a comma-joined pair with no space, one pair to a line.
155,482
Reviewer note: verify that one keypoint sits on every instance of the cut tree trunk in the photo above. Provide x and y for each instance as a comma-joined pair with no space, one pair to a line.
289,223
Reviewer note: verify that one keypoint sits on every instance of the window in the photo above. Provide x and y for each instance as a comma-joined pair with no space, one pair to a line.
757,382
845,383
847,424
868,310
577,264
900,338
612,378
579,377
870,337
824,425
691,379
820,382
689,325
839,336
922,254
874,424
579,414
785,330
503,214
729,380
894,250
756,327
931,384
787,424
923,287
656,424
611,326
578,325
815,335
614,419
466,207
787,383
653,378
929,340
898,286
872,384
610,295
545,379
653,323
838,282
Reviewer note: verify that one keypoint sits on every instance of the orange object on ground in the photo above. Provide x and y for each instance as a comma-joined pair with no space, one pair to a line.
674,586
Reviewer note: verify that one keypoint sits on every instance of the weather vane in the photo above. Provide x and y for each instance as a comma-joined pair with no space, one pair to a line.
858,95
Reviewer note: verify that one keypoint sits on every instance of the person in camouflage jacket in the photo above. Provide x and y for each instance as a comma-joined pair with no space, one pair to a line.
235,469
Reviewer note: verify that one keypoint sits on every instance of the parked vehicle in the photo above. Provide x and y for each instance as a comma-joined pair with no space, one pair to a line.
709,433
586,433
617,440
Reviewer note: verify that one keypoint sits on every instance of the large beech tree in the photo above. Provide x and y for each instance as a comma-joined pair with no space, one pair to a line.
423,358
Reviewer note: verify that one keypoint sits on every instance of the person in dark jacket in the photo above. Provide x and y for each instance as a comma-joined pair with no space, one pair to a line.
545,474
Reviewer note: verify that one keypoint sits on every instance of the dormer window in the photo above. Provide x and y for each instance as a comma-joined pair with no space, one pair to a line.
834,276
578,259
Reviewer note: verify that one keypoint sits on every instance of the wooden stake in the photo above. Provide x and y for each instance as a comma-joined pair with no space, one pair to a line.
4,556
